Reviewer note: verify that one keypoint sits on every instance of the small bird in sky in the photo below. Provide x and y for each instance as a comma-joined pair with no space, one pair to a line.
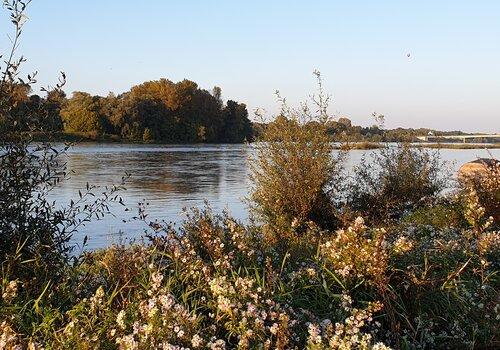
408,55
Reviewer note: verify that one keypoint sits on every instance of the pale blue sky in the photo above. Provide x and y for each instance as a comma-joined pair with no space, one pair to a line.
252,48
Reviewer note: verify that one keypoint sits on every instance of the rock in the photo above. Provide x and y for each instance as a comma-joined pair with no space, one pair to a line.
476,168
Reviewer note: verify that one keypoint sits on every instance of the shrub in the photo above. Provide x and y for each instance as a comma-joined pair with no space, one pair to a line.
34,232
396,180
33,235
444,214
294,171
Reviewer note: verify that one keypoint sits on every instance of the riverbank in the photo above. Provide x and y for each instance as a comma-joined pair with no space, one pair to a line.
362,145
75,137
217,281
460,145
377,145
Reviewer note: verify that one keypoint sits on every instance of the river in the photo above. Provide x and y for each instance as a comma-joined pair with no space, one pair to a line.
170,178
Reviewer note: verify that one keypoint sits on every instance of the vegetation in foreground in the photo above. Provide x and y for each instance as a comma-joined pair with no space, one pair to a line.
383,260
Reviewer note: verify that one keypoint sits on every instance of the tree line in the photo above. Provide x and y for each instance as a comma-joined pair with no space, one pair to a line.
154,111
343,130
168,112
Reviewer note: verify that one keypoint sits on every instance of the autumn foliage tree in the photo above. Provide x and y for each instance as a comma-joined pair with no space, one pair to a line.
161,111
81,113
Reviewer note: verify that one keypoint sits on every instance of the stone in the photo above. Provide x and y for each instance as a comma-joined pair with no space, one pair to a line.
478,167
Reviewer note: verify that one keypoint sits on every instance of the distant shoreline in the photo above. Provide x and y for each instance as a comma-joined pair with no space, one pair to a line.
459,145
357,145
375,145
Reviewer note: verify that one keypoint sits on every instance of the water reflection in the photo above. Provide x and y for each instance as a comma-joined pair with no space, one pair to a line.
172,177
167,178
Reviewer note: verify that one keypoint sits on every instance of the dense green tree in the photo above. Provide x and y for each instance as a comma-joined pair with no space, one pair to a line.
154,111
237,127
15,96
53,104
177,112
44,112
82,114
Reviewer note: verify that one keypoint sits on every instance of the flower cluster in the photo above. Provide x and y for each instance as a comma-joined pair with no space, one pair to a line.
489,242
249,311
8,338
10,291
347,334
357,254
486,187
402,245
475,213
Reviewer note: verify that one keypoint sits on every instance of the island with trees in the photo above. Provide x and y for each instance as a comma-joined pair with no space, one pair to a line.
155,111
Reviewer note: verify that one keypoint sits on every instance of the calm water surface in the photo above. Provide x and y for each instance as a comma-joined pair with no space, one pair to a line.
170,178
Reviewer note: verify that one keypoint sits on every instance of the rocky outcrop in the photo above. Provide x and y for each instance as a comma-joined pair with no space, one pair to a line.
477,168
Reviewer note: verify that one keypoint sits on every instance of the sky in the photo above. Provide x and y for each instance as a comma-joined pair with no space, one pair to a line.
451,81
